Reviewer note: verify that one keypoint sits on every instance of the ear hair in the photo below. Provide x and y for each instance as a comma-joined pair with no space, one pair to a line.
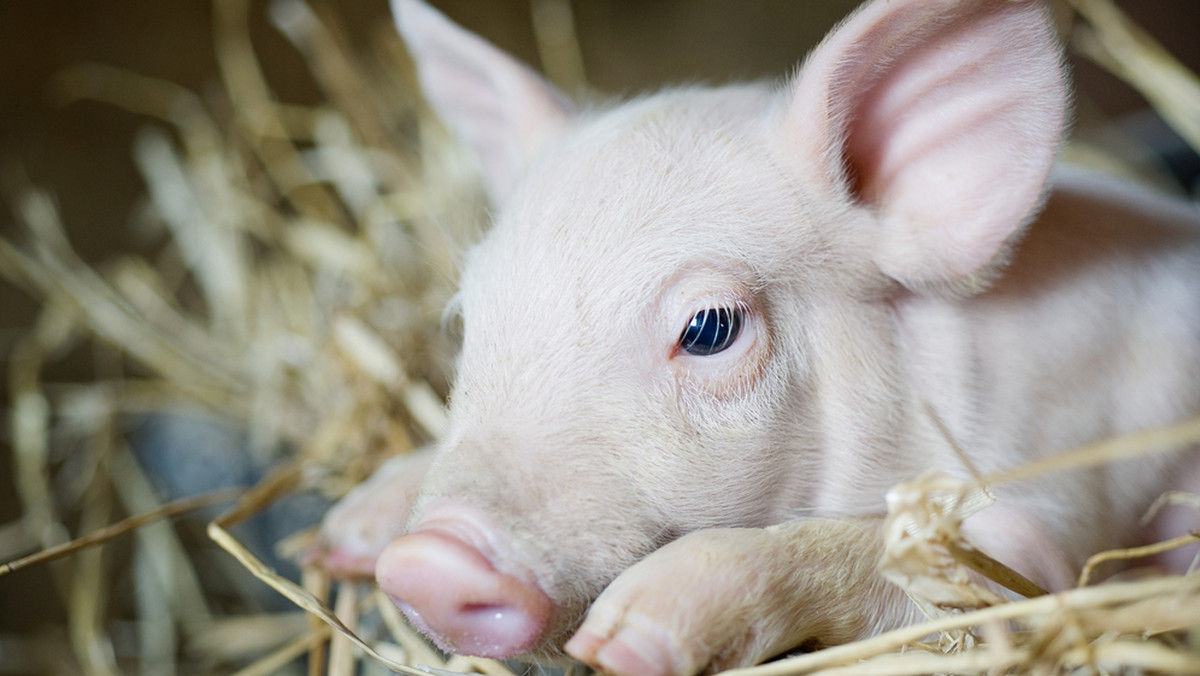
499,107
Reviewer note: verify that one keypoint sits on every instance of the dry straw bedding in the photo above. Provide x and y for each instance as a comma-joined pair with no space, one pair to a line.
308,251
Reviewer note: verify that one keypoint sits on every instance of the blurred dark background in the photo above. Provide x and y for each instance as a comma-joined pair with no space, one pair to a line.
82,151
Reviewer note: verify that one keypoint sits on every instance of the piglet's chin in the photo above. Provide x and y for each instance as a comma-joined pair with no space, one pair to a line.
454,594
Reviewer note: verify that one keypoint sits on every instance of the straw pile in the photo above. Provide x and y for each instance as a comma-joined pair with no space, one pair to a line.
305,254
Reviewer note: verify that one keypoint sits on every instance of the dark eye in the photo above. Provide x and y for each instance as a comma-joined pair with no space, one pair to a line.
711,331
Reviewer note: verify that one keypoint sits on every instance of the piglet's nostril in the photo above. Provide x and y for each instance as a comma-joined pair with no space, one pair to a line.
453,593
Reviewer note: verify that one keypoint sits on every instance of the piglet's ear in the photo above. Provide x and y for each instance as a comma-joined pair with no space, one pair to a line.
498,106
943,117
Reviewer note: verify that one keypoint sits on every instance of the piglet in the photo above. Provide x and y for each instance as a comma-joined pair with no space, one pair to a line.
710,327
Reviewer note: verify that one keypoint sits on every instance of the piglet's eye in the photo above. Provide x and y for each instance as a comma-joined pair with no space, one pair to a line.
711,331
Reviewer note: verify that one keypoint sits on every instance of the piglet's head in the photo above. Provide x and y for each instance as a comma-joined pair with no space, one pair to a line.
679,317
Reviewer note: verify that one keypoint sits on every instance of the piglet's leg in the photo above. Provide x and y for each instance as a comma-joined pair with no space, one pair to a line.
360,526
722,598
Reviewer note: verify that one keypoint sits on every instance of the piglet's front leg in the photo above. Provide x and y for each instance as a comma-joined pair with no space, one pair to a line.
357,529
723,598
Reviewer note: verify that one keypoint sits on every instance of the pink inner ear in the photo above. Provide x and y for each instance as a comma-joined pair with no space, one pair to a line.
950,105
948,115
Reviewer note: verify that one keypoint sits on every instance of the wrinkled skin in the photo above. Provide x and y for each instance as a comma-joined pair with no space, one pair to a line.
888,232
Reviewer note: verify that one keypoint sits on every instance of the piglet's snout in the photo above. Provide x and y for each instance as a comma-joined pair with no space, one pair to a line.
452,591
